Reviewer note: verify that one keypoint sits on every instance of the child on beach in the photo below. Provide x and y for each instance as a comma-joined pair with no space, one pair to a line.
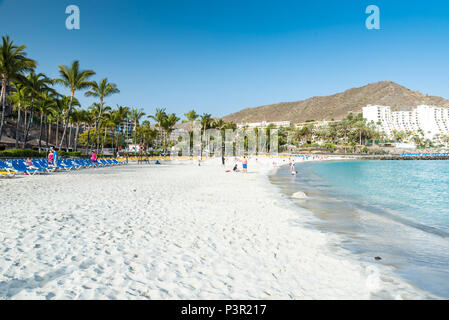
29,162
50,158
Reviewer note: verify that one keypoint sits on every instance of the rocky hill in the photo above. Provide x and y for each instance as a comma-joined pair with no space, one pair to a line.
337,106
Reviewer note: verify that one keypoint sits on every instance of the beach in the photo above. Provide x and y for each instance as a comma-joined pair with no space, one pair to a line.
175,231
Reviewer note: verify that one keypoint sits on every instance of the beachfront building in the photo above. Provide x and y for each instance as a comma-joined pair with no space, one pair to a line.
431,120
264,124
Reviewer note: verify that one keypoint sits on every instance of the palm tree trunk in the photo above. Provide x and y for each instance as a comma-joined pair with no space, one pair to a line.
104,140
93,138
97,123
88,137
67,118
49,133
40,131
70,136
46,134
118,136
27,131
25,121
113,137
18,126
57,132
76,136
3,99
98,140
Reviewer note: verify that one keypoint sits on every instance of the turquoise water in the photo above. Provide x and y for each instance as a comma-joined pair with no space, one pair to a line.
398,210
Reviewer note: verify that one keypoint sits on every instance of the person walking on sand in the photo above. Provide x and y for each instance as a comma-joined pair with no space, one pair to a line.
245,165
94,159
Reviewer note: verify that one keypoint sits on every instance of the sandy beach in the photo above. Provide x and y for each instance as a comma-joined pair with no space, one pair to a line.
172,232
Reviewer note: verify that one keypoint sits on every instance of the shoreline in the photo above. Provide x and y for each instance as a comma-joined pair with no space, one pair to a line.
172,232
338,225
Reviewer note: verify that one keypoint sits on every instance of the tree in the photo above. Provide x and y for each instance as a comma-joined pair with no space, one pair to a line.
13,65
18,98
159,116
135,116
35,85
46,101
101,90
206,121
74,79
191,116
168,125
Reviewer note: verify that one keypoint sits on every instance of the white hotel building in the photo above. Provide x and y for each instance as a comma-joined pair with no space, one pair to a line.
431,120
264,124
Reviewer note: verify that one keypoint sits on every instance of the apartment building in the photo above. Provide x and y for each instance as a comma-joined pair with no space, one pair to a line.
431,120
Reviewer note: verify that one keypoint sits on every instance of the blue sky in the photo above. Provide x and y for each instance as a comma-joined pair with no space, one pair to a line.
223,56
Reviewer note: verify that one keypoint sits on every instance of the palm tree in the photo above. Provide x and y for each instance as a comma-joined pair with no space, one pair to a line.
104,123
206,120
35,84
159,117
135,116
13,65
18,98
74,79
57,113
360,125
46,101
168,125
94,110
191,116
101,90
122,115
80,116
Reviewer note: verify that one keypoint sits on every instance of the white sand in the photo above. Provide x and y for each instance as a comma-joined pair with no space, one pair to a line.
171,232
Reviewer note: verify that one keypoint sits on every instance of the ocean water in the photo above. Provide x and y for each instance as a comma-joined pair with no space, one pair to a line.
398,210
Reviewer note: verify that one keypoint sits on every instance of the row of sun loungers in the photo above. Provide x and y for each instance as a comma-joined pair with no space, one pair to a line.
13,166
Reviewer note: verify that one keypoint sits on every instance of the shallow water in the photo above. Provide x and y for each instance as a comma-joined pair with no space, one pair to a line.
397,210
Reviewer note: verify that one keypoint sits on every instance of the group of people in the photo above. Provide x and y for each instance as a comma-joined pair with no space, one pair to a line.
293,169
53,158
236,169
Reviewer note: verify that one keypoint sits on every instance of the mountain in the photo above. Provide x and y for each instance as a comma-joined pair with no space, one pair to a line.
337,106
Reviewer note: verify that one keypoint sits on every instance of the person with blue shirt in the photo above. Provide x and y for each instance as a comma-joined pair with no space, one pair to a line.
55,158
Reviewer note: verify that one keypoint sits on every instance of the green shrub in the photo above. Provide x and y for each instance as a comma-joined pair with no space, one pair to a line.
22,153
